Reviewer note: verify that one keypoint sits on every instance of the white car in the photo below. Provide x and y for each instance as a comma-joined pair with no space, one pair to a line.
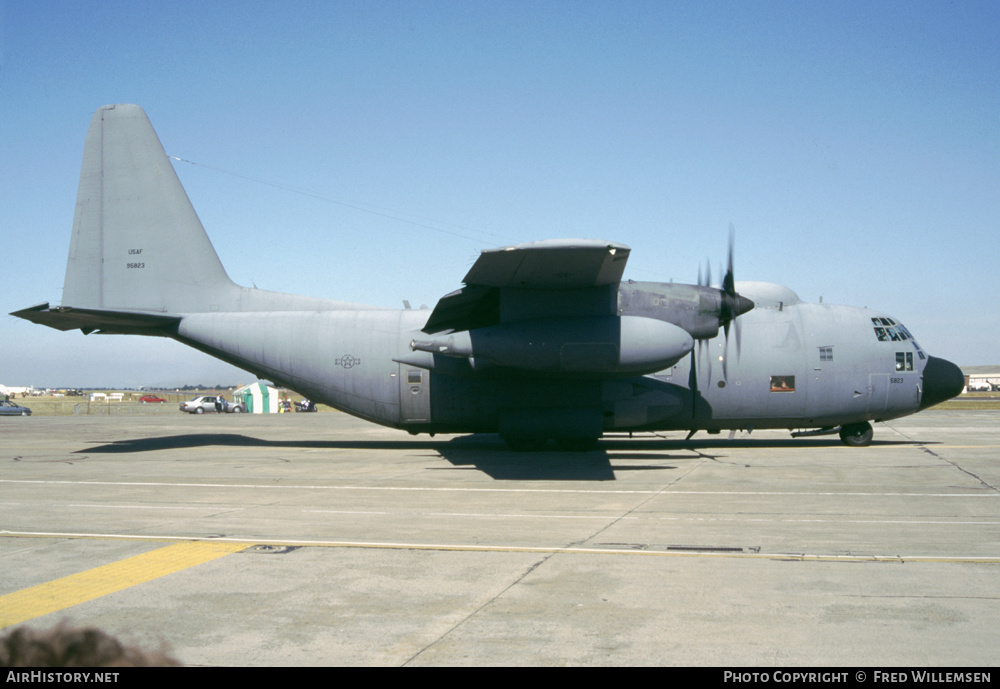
206,403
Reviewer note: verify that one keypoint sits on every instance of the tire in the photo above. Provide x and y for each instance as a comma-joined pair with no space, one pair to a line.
856,434
237,409
199,410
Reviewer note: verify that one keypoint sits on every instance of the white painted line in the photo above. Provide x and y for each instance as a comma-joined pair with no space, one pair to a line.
555,549
426,489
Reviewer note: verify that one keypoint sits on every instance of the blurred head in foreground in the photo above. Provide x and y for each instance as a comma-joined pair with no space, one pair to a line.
66,646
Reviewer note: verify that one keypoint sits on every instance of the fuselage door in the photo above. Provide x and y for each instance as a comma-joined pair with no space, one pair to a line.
414,395
878,390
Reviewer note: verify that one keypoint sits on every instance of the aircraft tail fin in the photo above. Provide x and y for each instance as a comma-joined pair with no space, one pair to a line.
137,244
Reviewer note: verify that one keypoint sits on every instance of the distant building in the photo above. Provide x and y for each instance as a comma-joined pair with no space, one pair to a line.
981,378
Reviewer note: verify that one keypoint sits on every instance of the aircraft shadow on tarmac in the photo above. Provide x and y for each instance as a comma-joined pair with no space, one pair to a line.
487,453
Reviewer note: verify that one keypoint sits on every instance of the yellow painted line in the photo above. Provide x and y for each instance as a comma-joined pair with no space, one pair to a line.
60,594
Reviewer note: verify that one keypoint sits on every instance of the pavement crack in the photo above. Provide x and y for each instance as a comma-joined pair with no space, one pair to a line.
531,568
920,445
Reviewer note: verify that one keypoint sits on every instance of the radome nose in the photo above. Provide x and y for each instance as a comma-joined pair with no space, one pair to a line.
942,381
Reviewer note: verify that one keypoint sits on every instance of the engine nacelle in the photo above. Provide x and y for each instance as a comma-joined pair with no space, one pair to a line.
599,346
700,310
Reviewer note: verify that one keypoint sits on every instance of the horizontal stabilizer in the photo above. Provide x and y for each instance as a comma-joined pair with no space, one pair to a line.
106,322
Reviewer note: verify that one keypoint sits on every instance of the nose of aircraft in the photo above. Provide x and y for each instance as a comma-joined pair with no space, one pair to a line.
942,381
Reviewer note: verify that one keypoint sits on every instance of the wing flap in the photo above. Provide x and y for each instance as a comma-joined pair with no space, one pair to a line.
470,307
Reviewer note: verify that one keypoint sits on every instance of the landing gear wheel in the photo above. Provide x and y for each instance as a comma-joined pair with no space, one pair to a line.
856,434
520,443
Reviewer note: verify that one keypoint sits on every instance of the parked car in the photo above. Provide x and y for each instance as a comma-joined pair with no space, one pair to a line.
206,403
11,409
146,399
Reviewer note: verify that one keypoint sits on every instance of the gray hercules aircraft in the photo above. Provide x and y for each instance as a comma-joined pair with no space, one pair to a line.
544,341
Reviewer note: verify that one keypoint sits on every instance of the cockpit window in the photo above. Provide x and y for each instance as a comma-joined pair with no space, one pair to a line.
887,330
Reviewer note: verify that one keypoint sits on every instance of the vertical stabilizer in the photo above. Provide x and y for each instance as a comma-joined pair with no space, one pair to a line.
137,243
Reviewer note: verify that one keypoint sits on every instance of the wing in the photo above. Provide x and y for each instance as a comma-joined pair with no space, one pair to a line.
547,308
553,278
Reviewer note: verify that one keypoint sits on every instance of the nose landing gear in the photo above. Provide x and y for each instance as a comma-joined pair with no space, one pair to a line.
856,434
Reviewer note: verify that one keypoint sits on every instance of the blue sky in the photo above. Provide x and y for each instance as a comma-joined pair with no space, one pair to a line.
367,151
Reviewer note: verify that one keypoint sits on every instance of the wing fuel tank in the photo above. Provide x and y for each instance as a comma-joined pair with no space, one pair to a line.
592,346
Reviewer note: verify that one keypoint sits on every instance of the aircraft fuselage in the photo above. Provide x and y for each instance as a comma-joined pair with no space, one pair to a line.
800,365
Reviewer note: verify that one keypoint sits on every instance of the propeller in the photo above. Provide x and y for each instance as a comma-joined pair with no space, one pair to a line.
731,306
702,343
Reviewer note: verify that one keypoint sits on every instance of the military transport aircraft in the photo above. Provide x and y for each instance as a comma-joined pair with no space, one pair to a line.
544,341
